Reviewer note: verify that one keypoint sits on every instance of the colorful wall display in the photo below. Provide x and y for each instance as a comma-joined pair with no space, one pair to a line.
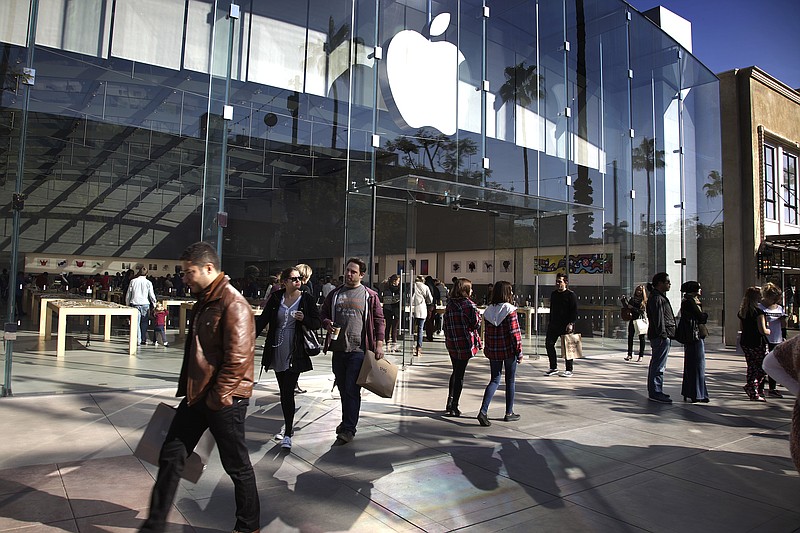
598,263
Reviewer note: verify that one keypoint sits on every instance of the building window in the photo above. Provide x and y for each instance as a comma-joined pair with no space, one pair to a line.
789,183
769,183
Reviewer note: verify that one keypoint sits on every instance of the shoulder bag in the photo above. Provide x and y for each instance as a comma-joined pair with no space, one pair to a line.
310,342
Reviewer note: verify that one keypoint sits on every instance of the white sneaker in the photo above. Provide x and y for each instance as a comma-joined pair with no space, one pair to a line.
566,374
287,443
166,345
551,372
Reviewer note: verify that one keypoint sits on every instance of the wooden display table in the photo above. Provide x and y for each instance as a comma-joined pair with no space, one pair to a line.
186,306
39,308
95,308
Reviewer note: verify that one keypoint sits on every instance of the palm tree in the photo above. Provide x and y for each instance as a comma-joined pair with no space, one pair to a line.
646,157
714,187
522,87
333,39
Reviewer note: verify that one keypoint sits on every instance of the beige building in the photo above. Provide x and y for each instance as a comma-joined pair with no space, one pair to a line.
760,118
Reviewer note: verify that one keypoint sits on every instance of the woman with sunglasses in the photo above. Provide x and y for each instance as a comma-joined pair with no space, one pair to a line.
283,350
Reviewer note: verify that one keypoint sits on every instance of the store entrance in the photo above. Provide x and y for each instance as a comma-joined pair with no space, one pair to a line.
442,229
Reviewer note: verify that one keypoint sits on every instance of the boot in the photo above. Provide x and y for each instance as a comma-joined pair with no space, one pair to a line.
449,407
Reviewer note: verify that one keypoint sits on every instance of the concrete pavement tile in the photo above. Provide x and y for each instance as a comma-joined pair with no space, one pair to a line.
33,506
26,478
682,506
69,526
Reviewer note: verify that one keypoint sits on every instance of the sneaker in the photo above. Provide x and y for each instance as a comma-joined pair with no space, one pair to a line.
155,343
774,393
513,417
663,398
484,420
566,374
345,436
166,345
287,443
551,372
278,436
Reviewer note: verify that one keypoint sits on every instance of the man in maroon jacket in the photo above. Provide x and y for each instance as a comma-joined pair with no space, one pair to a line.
216,382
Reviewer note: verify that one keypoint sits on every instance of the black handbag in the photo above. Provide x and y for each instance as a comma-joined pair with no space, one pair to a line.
310,342
686,332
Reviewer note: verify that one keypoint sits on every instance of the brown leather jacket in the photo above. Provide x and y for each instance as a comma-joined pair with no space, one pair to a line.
218,359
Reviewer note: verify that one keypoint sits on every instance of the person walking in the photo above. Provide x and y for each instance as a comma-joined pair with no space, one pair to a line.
637,305
355,312
503,349
140,295
462,323
286,312
753,341
420,303
771,296
660,331
391,310
693,387
216,382
563,313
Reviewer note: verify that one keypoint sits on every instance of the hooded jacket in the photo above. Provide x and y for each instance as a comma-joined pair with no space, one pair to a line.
503,339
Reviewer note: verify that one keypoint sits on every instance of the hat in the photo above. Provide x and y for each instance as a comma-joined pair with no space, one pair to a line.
690,286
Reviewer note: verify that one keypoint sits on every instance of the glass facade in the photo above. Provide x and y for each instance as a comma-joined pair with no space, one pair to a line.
489,139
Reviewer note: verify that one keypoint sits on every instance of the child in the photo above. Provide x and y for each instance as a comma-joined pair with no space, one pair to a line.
160,328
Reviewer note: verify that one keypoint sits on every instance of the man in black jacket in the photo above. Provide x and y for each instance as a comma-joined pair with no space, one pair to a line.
661,331
563,313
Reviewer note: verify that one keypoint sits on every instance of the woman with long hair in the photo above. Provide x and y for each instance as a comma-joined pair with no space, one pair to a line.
420,301
753,342
286,311
462,323
775,316
503,348
638,306
694,388
391,310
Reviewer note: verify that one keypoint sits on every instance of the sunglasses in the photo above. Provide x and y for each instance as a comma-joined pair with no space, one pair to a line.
294,279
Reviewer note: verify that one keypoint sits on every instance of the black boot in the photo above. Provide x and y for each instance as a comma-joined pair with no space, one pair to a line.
449,407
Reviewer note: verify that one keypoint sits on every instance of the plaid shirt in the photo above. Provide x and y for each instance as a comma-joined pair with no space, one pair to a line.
503,341
461,328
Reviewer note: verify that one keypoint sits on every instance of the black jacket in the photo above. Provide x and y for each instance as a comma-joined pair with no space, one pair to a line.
660,316
300,361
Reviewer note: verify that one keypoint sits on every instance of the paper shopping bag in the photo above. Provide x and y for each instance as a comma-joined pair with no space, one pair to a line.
640,326
571,347
377,376
149,447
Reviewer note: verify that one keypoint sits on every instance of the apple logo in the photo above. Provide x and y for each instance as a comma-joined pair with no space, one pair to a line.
423,77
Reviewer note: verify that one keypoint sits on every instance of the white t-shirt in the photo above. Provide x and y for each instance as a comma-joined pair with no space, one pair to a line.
773,316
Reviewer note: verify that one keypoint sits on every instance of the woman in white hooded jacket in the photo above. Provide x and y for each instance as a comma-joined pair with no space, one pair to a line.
503,348
419,308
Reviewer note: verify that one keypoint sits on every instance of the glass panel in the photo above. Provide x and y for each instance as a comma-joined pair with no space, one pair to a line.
158,19
769,183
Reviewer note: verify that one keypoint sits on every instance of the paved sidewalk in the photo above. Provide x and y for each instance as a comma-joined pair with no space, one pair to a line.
590,453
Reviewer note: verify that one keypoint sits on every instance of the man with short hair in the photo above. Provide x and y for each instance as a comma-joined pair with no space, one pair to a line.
216,381
141,296
661,331
357,310
563,314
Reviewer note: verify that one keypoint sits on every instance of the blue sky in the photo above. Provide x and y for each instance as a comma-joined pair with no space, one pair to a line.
728,34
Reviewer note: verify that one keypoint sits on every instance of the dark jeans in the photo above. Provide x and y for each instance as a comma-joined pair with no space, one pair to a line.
227,427
658,363
392,317
160,331
346,366
287,381
550,345
456,380
496,368
631,335
144,316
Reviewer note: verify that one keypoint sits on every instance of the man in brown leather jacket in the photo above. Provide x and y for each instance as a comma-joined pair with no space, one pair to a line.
216,381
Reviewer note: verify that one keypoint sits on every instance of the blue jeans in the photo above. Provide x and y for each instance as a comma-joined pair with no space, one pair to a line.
496,368
346,366
227,427
144,319
658,363
419,325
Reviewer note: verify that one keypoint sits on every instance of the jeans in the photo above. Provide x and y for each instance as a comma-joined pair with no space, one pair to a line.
160,332
144,318
287,381
658,363
346,367
550,345
496,368
456,381
419,325
227,427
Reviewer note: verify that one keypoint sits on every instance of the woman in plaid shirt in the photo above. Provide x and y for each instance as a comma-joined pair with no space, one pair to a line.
503,348
462,323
